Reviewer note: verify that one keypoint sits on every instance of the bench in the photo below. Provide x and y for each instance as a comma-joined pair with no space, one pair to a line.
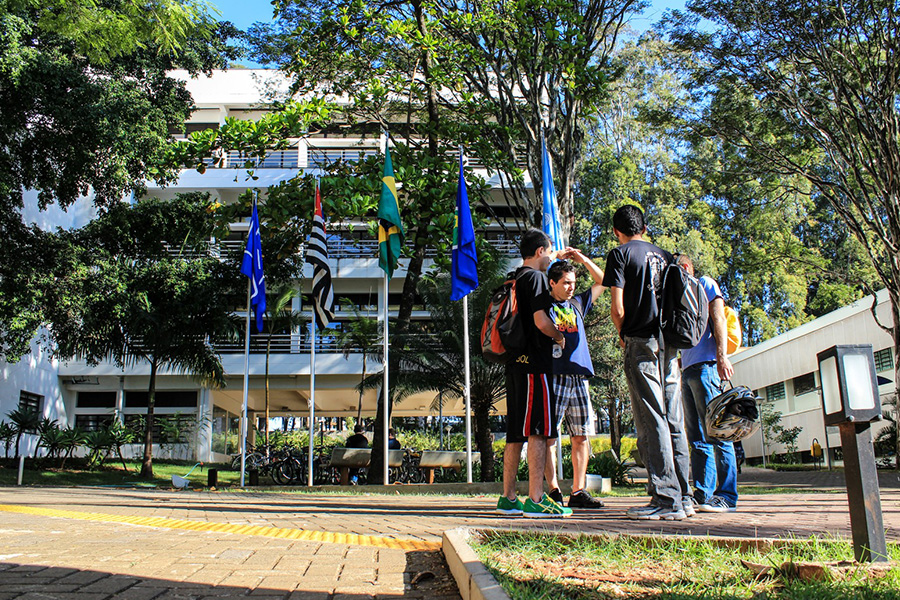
359,458
443,459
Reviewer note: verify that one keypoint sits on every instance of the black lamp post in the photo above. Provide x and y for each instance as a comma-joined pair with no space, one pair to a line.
850,401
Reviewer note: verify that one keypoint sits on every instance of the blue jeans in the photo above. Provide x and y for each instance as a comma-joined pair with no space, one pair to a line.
658,419
712,461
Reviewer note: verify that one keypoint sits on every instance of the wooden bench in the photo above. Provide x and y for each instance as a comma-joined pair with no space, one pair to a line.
359,458
443,459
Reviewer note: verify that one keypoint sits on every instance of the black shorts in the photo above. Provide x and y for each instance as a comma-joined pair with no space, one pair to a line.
530,407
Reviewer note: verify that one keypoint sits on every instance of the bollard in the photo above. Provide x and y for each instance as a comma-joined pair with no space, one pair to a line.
212,478
21,469
254,477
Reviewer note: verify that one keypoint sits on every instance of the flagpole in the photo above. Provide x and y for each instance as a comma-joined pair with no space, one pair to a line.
468,392
312,399
246,391
387,405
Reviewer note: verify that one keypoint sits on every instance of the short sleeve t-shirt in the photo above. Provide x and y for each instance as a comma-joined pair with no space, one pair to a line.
705,350
568,316
532,295
637,268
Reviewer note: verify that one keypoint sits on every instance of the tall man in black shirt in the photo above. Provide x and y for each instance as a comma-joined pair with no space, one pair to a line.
633,274
531,414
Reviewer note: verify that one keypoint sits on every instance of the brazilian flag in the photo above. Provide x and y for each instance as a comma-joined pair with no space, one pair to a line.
390,229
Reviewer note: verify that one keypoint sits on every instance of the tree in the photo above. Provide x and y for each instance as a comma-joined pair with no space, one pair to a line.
432,358
86,106
533,67
282,318
125,296
23,421
360,335
818,86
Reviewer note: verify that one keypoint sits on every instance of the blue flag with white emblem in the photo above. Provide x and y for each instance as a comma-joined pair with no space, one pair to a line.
551,225
464,259
252,267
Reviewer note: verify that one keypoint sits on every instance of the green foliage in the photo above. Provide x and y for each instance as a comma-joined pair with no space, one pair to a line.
98,444
7,435
23,421
607,465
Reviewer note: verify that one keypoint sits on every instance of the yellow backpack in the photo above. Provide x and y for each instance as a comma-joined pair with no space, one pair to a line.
733,329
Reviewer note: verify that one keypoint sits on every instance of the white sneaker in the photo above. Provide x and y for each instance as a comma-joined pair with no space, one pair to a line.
636,511
716,504
662,513
687,505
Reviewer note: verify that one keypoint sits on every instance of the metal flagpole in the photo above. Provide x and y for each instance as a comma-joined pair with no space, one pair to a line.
312,399
387,402
468,393
246,391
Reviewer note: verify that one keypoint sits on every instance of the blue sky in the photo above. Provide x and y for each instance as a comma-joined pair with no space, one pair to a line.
244,13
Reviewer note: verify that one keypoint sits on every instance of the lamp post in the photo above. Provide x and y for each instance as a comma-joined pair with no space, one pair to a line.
850,401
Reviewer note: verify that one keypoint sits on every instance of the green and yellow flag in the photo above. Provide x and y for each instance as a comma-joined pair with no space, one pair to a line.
390,229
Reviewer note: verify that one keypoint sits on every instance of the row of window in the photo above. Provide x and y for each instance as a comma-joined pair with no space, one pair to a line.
803,384
137,399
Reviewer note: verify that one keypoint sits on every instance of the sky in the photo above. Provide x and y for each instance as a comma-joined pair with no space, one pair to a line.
244,13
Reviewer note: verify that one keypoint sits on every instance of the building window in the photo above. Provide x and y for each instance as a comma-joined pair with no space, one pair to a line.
31,403
96,400
883,360
135,399
775,392
804,383
92,422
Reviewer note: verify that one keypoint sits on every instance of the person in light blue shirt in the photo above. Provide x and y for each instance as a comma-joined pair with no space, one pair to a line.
703,369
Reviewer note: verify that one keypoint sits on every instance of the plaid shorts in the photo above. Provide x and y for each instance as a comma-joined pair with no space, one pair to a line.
573,404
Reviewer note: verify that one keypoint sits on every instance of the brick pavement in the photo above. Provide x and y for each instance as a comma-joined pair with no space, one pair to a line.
71,558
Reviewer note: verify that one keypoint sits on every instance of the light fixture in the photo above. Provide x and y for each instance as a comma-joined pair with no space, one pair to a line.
850,400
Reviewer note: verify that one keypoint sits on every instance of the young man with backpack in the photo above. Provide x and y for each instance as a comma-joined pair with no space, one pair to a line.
531,413
634,276
571,370
703,368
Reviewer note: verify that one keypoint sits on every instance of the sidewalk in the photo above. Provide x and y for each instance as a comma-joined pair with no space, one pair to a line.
95,544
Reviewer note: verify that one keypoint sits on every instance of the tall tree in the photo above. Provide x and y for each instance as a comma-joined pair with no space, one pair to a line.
811,90
137,286
86,106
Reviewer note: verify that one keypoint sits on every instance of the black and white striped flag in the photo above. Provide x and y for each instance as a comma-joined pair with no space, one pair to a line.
317,256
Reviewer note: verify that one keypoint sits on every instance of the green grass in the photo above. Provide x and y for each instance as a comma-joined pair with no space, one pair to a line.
112,474
535,566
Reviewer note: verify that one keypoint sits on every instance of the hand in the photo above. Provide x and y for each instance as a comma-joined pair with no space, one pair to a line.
561,341
726,370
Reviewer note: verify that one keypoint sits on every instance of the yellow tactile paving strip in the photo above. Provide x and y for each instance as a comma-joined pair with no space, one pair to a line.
257,530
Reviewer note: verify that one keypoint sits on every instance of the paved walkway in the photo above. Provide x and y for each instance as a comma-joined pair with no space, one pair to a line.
96,544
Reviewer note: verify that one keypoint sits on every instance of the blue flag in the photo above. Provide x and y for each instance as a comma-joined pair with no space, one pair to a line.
252,267
464,259
551,224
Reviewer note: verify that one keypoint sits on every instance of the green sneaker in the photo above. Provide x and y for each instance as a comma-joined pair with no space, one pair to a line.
545,509
505,506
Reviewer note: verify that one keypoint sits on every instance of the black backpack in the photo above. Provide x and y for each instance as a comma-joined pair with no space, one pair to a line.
684,308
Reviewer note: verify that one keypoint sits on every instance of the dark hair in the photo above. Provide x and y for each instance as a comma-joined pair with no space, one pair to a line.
358,429
558,269
629,220
532,240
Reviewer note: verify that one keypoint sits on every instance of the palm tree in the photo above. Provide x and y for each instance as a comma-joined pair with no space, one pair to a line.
360,335
282,318
23,421
7,433
434,359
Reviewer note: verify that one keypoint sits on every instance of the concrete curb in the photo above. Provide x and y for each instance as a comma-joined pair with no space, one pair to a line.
473,579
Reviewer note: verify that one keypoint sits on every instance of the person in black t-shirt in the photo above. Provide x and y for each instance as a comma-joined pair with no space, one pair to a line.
633,273
529,398
357,440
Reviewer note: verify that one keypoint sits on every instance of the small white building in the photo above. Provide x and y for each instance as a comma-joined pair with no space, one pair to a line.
784,370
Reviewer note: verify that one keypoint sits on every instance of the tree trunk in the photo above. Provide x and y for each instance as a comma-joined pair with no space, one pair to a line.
484,440
147,464
615,427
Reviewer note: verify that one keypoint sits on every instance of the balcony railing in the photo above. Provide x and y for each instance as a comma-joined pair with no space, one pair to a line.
299,343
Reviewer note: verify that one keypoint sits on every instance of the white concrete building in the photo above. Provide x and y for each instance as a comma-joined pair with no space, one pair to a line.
81,395
784,370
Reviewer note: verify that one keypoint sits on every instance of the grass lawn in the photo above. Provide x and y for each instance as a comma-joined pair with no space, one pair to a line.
113,474
533,566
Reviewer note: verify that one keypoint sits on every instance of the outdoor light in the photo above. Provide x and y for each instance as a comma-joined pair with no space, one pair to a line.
849,384
850,401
